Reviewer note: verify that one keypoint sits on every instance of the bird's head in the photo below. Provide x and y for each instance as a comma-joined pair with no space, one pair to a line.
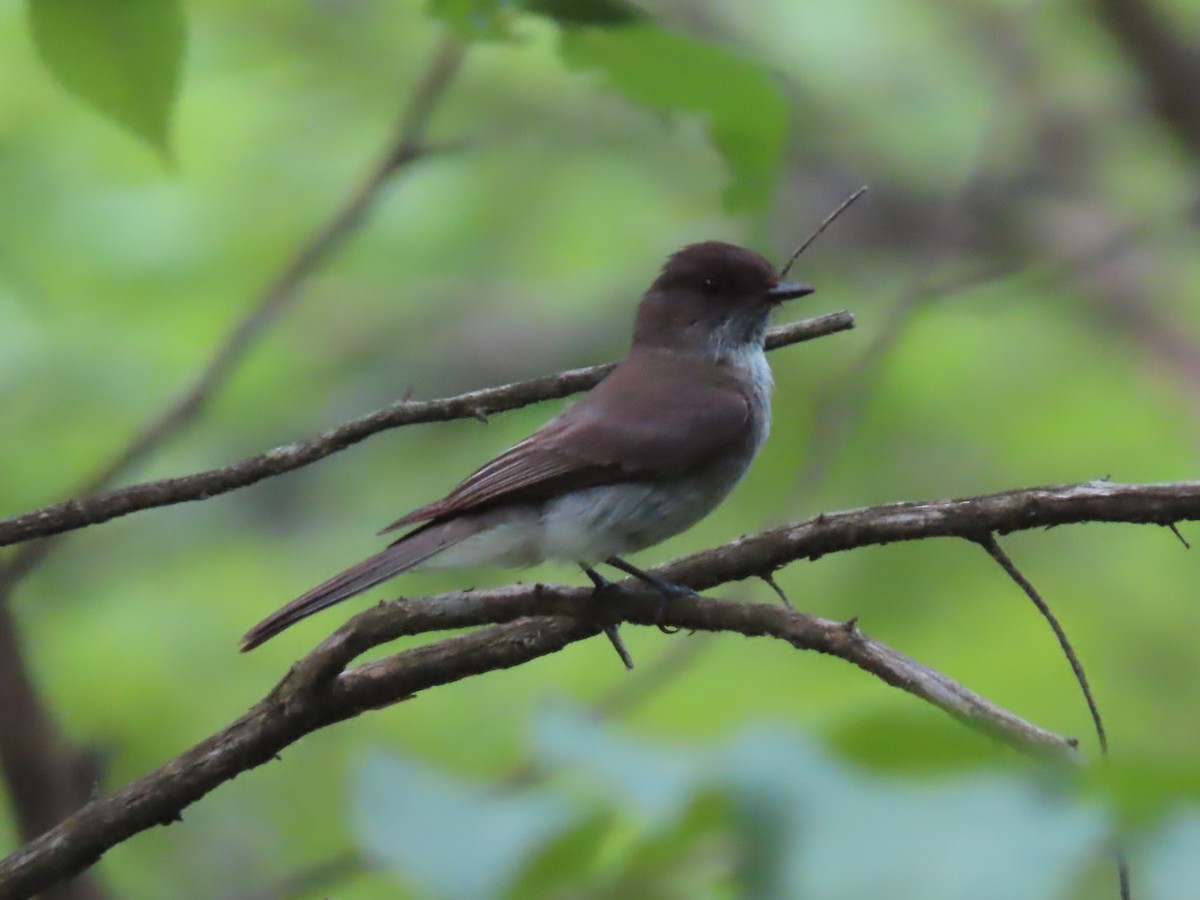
712,298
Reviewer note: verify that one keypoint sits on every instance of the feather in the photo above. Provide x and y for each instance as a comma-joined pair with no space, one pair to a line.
400,556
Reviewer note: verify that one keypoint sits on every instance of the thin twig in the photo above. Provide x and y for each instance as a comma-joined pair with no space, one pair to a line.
629,694
829,219
996,552
75,514
1175,531
989,543
839,403
769,578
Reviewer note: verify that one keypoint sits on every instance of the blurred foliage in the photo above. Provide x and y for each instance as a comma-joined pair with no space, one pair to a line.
122,56
1024,272
765,815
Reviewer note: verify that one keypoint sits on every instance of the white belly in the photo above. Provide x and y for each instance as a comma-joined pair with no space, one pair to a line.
591,525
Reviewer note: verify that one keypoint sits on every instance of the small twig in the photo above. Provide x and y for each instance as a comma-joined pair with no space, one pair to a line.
1175,531
996,552
628,694
829,219
618,643
989,543
769,578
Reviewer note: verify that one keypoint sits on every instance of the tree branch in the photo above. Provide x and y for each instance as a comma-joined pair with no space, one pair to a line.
316,692
319,690
74,514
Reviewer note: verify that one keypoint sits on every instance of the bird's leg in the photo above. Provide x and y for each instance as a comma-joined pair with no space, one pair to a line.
667,589
610,630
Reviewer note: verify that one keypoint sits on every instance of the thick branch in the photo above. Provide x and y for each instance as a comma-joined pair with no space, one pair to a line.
47,777
970,517
317,692
74,514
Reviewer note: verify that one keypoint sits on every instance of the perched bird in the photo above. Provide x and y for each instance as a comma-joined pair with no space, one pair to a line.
644,455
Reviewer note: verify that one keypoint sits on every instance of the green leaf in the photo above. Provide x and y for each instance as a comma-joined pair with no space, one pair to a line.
605,13
121,57
494,19
456,840
744,109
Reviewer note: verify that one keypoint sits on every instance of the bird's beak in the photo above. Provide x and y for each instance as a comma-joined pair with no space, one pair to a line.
789,290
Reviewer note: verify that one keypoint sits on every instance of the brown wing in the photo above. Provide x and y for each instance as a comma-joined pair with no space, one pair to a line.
654,416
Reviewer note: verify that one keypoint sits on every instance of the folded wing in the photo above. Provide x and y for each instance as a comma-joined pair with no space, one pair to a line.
660,418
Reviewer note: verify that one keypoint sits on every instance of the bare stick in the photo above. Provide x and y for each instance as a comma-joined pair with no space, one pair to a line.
845,204
996,552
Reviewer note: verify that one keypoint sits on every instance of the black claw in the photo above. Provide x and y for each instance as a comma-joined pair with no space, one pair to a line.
662,614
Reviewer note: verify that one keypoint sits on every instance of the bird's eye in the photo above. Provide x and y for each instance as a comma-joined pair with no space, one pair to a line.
711,286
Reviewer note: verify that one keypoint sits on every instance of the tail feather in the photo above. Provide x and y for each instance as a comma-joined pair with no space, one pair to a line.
411,550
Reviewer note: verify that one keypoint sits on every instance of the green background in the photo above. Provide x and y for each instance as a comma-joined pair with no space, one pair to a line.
1024,271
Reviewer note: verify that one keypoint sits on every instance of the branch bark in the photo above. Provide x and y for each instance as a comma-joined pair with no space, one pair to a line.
317,693
74,514
527,622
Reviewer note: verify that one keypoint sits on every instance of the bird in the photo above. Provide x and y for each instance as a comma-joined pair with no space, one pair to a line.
643,456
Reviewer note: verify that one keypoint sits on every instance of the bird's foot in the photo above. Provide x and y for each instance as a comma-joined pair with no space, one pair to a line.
666,588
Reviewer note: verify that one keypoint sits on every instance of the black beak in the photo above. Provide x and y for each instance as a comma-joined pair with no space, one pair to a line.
789,290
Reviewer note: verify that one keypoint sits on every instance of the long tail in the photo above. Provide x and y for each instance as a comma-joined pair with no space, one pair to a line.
411,550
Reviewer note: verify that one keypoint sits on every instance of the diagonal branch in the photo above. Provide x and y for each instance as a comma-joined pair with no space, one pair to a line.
531,621
318,692
993,549
74,514
996,552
